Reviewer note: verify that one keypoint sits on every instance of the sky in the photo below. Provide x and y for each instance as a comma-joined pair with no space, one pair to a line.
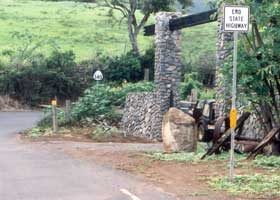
199,6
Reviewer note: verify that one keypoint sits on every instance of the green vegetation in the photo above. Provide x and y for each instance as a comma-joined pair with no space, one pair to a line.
207,94
268,162
129,10
38,131
99,107
103,132
265,185
99,101
72,26
193,157
258,64
125,67
32,30
178,157
261,185
64,25
43,79
190,82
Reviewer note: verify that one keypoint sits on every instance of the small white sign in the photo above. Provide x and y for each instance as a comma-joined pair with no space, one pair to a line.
236,18
98,76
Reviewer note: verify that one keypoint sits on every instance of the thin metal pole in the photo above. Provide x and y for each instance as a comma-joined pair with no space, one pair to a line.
234,77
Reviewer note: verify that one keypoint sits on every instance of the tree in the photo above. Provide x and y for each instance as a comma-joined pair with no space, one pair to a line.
259,61
128,9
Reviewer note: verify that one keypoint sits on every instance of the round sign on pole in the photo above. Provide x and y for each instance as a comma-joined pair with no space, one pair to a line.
98,76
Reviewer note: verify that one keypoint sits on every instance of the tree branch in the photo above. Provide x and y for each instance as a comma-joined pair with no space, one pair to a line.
142,23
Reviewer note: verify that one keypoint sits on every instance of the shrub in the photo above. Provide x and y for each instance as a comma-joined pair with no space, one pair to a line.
117,69
190,82
43,80
126,67
61,62
120,93
148,62
100,100
207,94
46,121
95,103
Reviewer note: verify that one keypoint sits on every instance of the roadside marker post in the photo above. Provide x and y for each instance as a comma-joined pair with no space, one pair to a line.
236,19
54,116
68,110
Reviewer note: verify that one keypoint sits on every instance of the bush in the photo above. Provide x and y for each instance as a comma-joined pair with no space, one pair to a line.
43,80
120,93
46,121
190,82
148,62
96,103
126,67
117,69
100,100
207,94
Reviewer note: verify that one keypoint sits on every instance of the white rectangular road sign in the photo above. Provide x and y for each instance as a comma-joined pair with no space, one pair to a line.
236,18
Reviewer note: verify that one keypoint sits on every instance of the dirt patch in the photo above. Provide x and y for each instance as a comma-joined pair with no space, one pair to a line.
187,180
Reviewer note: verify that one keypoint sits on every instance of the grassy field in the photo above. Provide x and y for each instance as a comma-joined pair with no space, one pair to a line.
73,26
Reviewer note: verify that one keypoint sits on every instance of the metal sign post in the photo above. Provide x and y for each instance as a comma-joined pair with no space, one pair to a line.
233,114
236,19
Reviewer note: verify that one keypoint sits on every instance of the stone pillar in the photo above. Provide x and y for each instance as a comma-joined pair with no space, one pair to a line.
224,49
167,64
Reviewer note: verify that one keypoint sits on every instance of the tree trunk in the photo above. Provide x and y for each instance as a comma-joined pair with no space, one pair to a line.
133,36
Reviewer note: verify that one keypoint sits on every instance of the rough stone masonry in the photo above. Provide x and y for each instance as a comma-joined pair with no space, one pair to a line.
167,80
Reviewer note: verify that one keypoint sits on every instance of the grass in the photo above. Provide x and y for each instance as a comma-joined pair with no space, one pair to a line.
271,162
194,157
262,185
73,26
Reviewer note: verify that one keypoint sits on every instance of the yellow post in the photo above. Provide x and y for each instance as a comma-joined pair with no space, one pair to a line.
54,116
233,118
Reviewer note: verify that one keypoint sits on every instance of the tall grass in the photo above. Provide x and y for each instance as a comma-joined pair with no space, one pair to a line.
68,25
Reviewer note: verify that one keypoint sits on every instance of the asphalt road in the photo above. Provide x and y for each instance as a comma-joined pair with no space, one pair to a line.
31,173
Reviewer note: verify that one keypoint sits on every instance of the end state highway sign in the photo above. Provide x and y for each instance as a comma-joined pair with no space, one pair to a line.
236,18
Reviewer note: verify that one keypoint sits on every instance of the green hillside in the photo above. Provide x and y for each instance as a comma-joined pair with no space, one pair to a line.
73,26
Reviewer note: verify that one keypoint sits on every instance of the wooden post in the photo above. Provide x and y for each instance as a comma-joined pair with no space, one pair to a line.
194,95
68,110
146,74
54,116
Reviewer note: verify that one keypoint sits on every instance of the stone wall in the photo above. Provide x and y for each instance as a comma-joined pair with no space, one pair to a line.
141,116
253,129
224,49
144,112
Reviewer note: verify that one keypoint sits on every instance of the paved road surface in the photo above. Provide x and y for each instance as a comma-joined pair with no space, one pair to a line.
28,173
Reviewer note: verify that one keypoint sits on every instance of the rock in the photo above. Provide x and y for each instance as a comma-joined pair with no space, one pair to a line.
179,132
